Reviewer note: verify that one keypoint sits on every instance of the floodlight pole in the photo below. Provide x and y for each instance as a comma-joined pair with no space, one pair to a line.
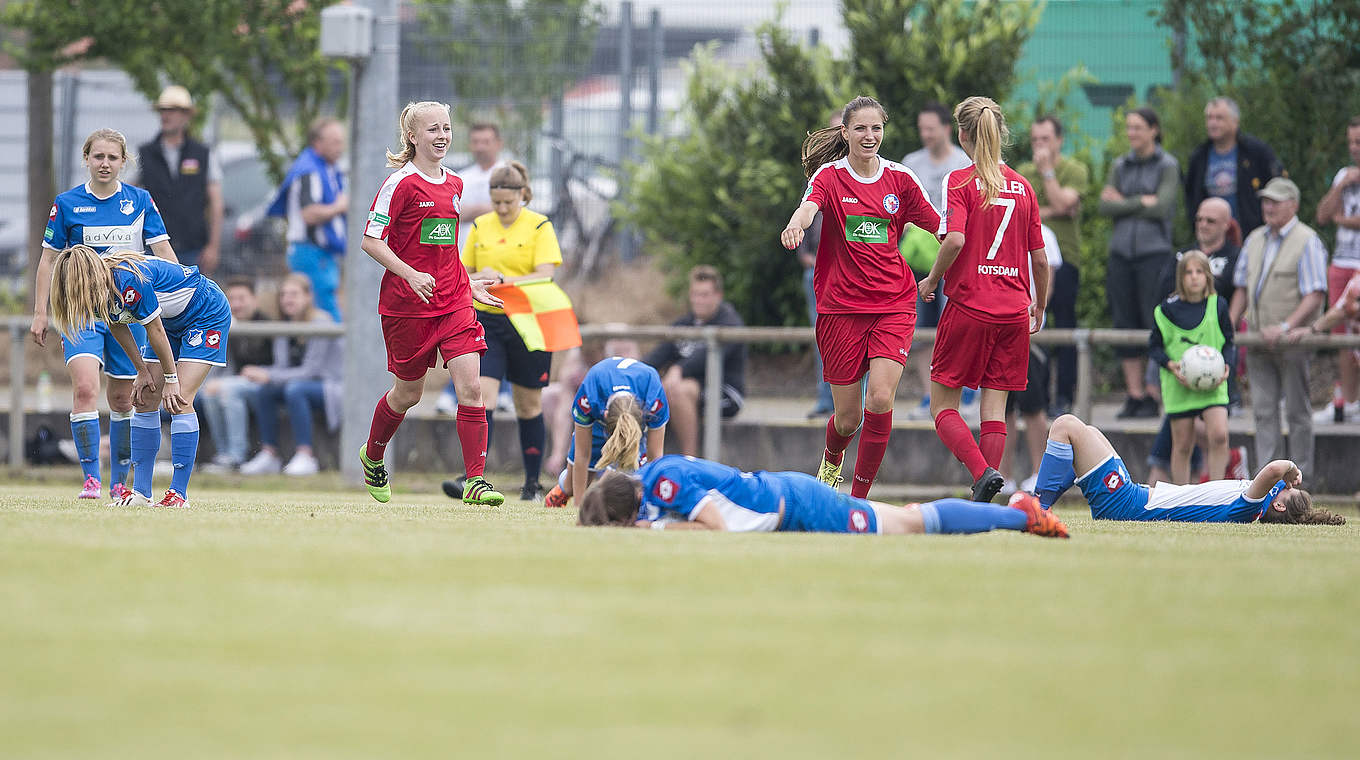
372,116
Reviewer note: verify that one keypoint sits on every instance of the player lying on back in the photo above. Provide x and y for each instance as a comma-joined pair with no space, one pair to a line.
187,319
678,492
1273,496
618,399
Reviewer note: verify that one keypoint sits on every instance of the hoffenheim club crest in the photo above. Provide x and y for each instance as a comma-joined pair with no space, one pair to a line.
891,203
195,338
126,206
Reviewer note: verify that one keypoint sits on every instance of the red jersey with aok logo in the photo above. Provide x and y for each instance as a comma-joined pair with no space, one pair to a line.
859,269
990,278
418,217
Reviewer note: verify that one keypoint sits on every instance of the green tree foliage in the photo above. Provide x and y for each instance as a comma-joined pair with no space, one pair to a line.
510,56
260,56
1294,68
907,53
721,194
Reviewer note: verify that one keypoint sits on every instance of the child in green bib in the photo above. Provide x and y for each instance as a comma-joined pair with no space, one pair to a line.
1191,316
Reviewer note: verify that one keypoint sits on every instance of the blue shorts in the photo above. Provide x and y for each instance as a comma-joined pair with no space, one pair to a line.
1111,493
99,342
814,507
205,343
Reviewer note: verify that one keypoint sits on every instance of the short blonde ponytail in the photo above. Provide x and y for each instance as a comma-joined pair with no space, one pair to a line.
981,118
623,423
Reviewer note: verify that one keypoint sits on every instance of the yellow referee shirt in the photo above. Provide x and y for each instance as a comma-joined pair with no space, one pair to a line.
514,251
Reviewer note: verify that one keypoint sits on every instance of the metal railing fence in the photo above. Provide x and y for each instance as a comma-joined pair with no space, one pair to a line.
713,337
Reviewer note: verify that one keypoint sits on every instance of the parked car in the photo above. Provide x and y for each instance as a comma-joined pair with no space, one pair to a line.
252,243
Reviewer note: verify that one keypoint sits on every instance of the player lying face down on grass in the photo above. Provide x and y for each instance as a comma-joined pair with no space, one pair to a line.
1273,496
685,493
186,318
864,289
618,400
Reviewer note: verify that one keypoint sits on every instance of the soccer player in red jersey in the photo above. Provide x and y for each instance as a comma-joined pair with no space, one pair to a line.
426,297
866,297
991,233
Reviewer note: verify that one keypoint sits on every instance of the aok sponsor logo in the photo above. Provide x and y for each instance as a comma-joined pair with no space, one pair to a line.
121,237
866,229
439,231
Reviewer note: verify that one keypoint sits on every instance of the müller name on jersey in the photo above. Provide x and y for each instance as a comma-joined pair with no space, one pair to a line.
1011,187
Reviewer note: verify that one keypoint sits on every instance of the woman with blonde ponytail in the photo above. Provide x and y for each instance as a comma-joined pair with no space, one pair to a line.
618,400
865,294
107,215
425,300
186,318
995,271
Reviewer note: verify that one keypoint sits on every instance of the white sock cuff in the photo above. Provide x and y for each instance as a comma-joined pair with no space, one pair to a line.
120,416
84,416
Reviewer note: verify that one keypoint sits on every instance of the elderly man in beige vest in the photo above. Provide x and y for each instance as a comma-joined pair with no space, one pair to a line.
1281,281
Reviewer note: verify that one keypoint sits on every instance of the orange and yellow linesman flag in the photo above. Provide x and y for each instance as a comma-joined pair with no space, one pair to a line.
541,313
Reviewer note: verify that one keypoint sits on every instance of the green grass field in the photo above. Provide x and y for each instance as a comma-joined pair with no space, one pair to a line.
304,624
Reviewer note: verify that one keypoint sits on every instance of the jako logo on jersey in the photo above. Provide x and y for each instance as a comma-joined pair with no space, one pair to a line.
866,229
439,231
425,204
1113,482
212,338
848,199
194,338
997,269
891,203
131,296
859,521
665,490
126,206
109,237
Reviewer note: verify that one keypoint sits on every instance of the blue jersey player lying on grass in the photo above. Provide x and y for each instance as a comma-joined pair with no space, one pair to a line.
187,319
679,492
1273,496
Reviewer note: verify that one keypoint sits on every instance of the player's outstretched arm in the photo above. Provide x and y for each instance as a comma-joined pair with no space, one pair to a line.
800,221
1280,469
950,248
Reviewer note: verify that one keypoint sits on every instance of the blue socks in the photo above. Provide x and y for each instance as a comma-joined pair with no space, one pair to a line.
120,445
183,449
963,516
145,444
1056,473
85,431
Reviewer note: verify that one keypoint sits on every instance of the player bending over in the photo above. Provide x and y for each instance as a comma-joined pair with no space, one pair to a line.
678,492
618,399
1273,496
186,318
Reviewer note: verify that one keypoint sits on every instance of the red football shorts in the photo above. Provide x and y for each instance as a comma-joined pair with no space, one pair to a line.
971,353
415,344
848,341
1337,280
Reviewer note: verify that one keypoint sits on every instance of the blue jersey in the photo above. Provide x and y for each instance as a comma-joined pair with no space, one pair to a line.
1113,496
675,486
619,375
179,295
128,220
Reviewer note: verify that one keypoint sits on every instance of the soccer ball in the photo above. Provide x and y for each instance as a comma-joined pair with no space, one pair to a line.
1202,367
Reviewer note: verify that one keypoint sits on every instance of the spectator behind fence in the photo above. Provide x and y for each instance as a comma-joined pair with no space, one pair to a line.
305,376
226,396
937,157
1281,281
1059,182
1231,165
185,182
682,364
314,200
1341,206
1140,195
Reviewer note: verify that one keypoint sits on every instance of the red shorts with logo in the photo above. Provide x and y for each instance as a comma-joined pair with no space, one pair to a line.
971,353
415,344
848,341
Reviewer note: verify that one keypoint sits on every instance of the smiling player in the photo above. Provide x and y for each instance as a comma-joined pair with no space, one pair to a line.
866,299
426,298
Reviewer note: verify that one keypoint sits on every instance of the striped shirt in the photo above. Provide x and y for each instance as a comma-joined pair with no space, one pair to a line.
1312,264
